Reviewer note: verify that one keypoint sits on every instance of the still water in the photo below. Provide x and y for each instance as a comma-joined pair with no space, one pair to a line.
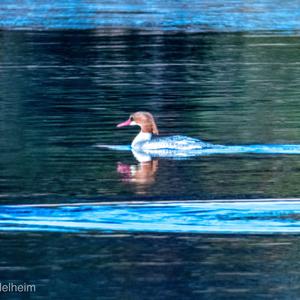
63,92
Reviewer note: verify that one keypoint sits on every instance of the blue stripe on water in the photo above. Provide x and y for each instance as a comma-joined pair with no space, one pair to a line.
199,16
239,217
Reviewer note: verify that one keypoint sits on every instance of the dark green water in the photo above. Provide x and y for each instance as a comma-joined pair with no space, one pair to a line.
126,266
63,92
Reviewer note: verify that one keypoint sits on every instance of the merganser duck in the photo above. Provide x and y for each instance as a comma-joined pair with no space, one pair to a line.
146,141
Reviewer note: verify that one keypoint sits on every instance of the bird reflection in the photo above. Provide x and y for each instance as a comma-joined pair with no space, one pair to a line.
141,175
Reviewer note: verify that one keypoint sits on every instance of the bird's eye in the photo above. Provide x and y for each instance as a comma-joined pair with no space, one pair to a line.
131,118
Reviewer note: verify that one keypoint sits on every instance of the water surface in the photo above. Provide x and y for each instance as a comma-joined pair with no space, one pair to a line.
64,92
152,266
190,16
235,217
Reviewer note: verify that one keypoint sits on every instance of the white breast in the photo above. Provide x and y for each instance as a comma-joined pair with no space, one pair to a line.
141,138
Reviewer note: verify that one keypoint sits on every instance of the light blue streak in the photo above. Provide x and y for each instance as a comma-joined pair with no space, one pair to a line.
192,15
241,217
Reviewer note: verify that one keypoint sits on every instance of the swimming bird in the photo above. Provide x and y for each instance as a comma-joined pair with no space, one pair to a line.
149,139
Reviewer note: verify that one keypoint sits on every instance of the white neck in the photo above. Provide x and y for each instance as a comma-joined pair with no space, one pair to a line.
141,137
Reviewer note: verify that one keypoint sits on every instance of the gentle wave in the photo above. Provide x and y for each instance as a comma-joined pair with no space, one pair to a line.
217,217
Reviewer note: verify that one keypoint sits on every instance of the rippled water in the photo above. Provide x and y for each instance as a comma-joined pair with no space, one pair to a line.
62,94
252,217
145,266
205,15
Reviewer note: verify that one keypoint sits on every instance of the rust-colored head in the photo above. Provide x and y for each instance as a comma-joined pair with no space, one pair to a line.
143,119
